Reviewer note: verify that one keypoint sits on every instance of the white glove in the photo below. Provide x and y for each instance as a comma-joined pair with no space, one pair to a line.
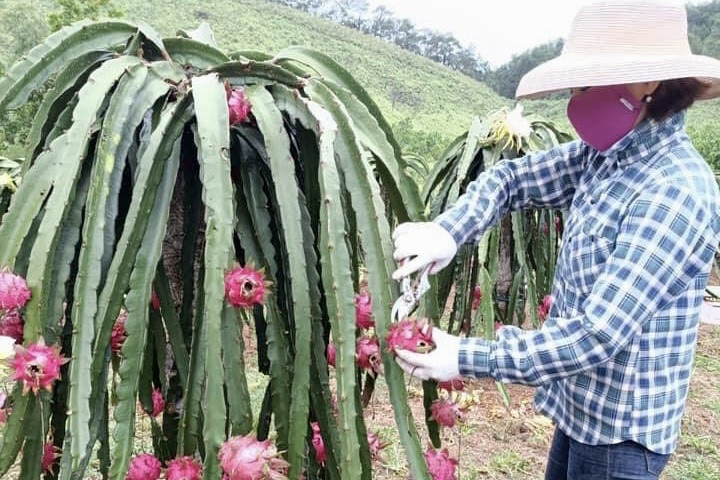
440,364
420,244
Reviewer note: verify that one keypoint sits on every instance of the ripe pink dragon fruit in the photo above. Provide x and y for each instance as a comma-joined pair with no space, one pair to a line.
376,445
238,105
544,308
158,402
367,354
144,467
318,444
363,311
245,287
154,300
118,335
331,353
50,453
183,468
440,464
14,291
477,297
446,412
245,458
414,334
456,384
11,325
37,366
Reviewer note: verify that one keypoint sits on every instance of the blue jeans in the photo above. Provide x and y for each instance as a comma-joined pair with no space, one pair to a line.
572,460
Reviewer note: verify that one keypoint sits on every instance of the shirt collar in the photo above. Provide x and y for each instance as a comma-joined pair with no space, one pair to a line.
645,139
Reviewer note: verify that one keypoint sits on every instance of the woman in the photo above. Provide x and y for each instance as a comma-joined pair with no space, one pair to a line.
613,359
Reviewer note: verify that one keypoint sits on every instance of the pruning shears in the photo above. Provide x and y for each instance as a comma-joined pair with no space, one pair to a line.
411,289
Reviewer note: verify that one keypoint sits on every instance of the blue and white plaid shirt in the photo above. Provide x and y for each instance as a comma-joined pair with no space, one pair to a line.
613,360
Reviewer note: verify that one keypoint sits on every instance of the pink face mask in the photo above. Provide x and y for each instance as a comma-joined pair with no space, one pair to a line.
603,115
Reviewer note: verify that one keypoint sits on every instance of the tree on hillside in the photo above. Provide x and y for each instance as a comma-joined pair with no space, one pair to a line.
74,10
504,80
704,28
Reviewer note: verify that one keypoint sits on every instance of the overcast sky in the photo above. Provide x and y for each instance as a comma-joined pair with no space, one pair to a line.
497,29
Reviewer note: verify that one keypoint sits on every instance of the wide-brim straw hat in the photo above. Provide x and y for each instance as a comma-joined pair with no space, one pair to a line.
616,42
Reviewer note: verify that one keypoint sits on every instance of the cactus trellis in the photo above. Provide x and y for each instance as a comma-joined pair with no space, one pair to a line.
521,249
134,182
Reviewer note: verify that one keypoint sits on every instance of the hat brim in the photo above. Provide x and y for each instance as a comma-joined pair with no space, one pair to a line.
576,71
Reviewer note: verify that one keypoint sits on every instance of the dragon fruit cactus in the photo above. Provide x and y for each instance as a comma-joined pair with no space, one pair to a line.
183,468
118,335
363,311
446,412
11,325
414,334
14,291
144,467
50,454
367,354
37,366
331,353
245,458
318,444
158,402
376,445
454,385
245,287
238,105
440,465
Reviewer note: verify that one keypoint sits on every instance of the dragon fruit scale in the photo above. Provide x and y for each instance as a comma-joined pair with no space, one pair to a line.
414,334
318,444
446,412
246,458
183,468
14,291
239,106
144,467
363,311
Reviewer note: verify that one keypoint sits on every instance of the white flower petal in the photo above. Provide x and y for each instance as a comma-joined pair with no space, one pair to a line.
518,125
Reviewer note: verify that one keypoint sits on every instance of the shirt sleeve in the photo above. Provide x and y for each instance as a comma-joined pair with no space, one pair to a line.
664,242
543,180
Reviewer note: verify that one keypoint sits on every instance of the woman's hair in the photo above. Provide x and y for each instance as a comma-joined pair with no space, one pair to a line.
672,96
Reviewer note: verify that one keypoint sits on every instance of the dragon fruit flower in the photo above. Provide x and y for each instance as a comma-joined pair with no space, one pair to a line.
245,287
367,354
14,291
440,465
446,412
318,444
158,402
144,467
376,445
183,468
37,366
50,454
363,311
413,334
245,458
118,335
239,106
331,353
12,324
7,347
454,385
